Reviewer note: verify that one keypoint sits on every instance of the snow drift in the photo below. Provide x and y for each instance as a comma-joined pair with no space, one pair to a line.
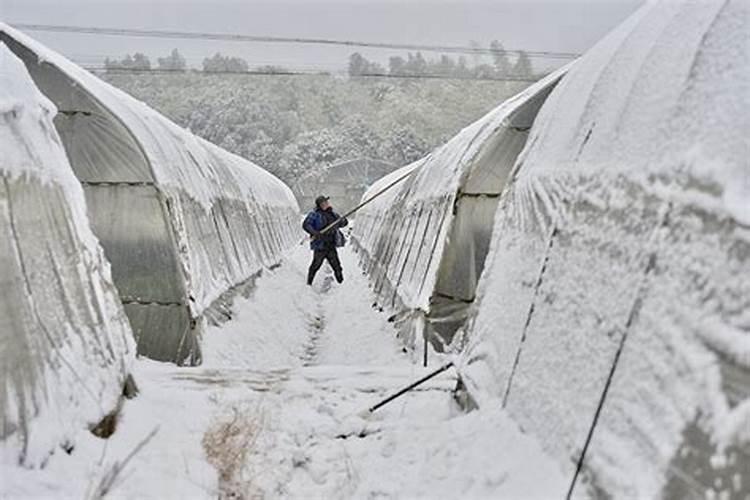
613,318
425,240
180,219
65,343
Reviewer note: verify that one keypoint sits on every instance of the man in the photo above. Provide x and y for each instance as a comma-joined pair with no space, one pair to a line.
324,245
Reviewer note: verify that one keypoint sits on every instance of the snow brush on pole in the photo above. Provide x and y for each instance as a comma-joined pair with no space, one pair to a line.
358,207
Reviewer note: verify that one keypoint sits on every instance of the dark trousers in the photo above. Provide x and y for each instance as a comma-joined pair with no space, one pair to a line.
332,256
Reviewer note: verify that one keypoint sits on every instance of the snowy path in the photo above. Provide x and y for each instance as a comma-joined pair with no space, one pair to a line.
275,411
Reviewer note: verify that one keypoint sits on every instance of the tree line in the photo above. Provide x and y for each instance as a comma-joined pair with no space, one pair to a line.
414,64
176,62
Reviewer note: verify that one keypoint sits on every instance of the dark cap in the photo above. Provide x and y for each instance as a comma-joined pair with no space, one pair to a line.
320,199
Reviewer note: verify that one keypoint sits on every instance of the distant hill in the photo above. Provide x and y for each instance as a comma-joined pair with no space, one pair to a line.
293,124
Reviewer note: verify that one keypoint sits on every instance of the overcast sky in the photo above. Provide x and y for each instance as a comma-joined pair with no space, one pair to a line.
549,25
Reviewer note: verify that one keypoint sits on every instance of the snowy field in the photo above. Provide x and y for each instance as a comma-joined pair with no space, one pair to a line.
276,410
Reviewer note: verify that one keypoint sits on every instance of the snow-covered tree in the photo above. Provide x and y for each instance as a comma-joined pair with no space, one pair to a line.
173,62
219,63
522,67
396,65
500,58
359,65
137,61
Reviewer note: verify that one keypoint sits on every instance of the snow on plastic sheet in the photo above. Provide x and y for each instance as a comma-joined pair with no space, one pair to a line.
65,344
166,145
404,262
246,229
622,242
209,191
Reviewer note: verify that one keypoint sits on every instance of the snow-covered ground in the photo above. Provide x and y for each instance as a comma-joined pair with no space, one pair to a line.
277,410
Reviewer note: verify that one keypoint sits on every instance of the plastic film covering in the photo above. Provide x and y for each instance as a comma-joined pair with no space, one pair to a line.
65,343
424,241
613,319
181,220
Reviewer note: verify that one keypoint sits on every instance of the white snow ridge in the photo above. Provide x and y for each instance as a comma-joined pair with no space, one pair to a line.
573,268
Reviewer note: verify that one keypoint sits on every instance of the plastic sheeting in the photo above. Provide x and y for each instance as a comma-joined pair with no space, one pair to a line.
65,343
425,240
181,220
613,316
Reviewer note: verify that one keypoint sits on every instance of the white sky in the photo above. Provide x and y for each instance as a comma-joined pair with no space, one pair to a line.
552,25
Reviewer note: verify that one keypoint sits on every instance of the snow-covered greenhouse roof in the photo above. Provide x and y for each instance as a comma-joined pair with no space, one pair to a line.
65,343
612,318
181,220
425,239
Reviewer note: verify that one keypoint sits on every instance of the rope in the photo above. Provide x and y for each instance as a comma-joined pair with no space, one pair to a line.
632,317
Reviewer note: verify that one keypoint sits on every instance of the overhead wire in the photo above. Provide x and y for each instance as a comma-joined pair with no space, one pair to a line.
286,72
238,37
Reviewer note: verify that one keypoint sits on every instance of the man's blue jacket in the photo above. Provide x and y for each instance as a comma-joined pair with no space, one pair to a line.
319,219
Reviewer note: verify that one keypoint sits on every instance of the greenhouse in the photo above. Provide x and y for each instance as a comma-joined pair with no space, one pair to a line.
612,318
65,344
425,239
181,220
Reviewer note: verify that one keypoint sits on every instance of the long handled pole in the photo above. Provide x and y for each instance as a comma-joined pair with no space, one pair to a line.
358,207
411,386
